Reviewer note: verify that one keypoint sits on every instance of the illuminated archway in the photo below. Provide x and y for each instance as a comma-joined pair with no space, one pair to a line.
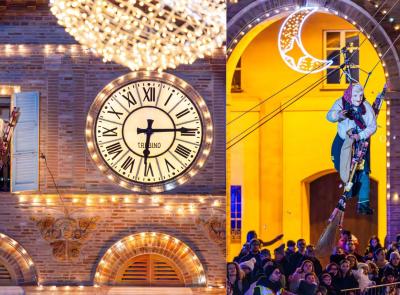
252,18
244,28
150,243
17,261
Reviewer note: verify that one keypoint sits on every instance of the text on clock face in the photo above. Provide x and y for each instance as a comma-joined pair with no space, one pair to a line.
149,131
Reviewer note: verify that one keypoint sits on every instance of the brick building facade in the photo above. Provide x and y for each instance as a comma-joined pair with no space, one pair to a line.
36,54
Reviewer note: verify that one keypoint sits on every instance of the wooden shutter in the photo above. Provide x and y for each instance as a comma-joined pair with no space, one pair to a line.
150,270
5,276
25,143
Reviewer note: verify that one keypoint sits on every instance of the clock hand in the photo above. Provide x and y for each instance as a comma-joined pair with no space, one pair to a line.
182,129
149,132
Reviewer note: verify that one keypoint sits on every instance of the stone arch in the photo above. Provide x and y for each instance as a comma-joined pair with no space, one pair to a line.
245,17
150,243
17,261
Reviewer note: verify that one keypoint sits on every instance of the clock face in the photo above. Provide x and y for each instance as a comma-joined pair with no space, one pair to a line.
149,131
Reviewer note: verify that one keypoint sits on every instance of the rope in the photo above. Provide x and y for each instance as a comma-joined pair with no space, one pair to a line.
305,75
278,110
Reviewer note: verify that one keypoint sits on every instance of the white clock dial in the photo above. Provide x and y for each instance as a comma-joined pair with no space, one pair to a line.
149,133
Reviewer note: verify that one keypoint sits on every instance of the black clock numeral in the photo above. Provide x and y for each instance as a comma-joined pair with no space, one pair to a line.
182,151
182,113
114,148
129,97
150,94
169,97
128,163
110,132
148,169
188,132
169,165
115,113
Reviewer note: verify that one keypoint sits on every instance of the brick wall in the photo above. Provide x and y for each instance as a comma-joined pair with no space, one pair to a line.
38,55
117,220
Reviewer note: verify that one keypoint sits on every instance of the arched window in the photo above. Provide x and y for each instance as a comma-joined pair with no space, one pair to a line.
5,276
150,270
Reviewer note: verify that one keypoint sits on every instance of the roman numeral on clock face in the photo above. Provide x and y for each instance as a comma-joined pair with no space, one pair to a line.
182,113
129,98
115,113
110,132
150,94
182,151
188,132
128,163
169,165
114,149
148,169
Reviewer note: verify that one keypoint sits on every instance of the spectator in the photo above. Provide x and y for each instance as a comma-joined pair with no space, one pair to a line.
345,235
389,278
373,245
253,235
337,255
326,281
373,272
300,273
351,249
346,279
270,283
250,275
243,252
310,255
362,277
333,269
254,253
353,262
380,260
291,248
234,279
309,285
297,258
394,264
281,260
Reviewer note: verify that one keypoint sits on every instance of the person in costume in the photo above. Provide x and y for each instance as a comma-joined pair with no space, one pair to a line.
356,123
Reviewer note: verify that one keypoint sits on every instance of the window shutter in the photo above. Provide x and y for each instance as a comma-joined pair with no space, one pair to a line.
25,143
150,270
5,277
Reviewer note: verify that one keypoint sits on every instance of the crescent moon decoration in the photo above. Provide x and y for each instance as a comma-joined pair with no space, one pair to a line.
290,36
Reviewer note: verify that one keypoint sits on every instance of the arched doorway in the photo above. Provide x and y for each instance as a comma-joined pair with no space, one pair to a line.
324,194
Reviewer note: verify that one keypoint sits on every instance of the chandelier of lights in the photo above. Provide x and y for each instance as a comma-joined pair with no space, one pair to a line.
145,34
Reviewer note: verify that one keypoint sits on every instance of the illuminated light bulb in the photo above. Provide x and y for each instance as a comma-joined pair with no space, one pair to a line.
180,210
168,208
397,27
105,30
216,203
140,200
395,197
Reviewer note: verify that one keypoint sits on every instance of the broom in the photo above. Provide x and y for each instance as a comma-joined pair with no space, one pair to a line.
327,239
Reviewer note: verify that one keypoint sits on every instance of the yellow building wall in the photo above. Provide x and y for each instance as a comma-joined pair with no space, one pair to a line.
296,143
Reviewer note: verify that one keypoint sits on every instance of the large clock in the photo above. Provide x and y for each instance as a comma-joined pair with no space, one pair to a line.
149,131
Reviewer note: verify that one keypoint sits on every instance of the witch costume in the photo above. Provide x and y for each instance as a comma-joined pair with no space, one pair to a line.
356,120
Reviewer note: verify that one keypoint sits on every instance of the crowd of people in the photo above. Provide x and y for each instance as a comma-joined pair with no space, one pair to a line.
294,268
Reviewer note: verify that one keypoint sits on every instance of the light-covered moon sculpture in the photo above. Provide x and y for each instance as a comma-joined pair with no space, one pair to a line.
290,36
